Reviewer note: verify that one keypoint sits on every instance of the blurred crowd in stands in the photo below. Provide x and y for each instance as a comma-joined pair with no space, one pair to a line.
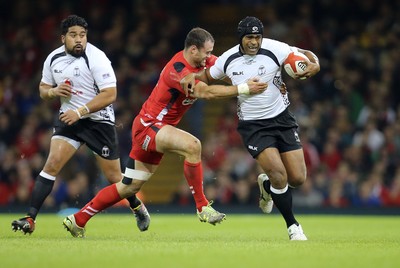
349,113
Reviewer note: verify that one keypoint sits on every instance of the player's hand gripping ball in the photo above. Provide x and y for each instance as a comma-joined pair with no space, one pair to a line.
295,64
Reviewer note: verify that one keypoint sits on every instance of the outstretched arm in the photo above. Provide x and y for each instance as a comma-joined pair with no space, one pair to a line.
203,91
189,81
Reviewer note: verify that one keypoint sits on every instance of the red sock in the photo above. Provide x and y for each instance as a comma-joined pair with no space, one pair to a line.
107,197
194,177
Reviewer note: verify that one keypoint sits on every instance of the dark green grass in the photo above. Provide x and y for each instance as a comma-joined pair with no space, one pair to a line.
182,241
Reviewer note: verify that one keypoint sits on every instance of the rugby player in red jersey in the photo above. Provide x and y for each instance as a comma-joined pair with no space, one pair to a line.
154,132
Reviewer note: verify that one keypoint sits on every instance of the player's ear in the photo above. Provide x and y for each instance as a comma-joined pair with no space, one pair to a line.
193,49
63,39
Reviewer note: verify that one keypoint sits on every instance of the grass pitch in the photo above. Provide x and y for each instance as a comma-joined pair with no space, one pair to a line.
182,241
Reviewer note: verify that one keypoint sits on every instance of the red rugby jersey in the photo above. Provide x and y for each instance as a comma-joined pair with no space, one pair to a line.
168,102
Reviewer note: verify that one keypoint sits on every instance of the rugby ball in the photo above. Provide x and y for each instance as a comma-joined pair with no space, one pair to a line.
295,64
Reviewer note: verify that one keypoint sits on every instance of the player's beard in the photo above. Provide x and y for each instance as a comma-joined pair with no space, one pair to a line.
76,52
201,64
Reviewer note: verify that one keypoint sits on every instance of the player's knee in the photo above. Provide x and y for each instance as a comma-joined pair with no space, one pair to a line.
278,178
297,180
194,147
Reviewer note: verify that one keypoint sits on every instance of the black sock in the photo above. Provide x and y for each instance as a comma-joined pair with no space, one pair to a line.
134,201
283,202
41,190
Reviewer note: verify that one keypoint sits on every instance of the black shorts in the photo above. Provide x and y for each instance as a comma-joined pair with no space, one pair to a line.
279,132
101,138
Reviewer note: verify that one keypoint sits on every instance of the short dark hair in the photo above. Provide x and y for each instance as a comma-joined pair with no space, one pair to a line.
72,20
198,36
